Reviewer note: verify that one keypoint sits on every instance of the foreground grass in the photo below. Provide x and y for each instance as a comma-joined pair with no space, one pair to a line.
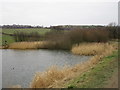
55,77
96,76
101,65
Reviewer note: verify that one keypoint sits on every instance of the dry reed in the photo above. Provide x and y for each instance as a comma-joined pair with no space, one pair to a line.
90,48
55,78
45,79
28,45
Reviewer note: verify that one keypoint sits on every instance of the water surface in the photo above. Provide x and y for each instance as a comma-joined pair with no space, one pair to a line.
19,66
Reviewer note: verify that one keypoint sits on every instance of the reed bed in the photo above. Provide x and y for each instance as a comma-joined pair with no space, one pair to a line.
60,39
38,45
45,79
55,78
90,48
28,45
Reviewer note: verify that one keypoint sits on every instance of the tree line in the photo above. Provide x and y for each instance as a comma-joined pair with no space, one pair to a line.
14,26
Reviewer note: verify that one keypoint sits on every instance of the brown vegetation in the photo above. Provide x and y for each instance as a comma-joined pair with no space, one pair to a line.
74,40
61,39
27,45
55,77
90,48
34,45
24,36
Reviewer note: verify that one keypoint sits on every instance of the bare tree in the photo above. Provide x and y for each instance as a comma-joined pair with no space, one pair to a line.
112,24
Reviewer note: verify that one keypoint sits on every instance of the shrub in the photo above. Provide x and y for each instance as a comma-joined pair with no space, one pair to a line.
23,36
65,39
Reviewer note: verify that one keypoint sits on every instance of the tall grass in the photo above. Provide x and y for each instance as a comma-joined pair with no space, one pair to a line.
24,36
90,48
35,45
45,79
55,77
88,35
28,45
66,39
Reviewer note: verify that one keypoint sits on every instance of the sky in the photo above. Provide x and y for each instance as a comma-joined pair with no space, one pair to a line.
119,13
58,12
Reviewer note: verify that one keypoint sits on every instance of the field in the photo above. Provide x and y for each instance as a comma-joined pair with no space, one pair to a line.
10,39
28,30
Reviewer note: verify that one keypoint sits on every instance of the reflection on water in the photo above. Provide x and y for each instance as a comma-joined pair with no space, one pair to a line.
19,66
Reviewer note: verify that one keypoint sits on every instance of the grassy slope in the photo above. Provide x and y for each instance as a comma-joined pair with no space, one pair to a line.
97,76
10,39
39,30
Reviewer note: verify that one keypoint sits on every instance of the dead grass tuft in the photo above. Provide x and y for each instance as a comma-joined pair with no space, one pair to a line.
45,79
56,78
90,48
28,45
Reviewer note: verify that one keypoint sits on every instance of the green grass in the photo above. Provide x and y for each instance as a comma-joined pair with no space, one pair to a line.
10,39
29,30
7,38
96,77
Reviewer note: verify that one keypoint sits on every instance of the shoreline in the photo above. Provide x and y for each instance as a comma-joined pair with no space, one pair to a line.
99,76
66,74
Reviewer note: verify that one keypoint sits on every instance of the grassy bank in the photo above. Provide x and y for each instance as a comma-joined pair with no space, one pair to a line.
90,74
55,77
81,42
9,39
97,76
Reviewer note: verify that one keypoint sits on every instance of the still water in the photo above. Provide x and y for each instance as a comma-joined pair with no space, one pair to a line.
20,66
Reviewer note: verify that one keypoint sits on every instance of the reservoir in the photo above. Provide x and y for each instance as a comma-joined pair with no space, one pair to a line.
20,66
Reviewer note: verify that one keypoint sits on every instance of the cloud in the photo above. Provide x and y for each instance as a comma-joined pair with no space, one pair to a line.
59,0
56,13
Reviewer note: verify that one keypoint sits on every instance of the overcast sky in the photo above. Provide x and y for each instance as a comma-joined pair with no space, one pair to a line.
58,12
